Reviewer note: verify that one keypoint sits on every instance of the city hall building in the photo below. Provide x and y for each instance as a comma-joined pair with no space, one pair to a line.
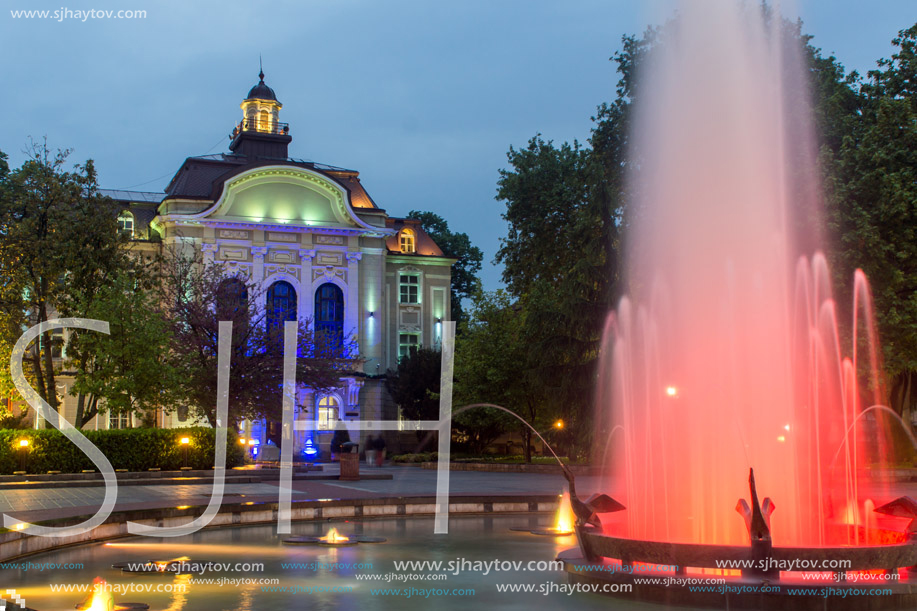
315,240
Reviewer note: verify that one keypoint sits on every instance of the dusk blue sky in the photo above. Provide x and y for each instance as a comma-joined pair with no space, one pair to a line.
423,98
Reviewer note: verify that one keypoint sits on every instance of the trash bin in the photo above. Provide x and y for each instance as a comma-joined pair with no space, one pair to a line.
350,461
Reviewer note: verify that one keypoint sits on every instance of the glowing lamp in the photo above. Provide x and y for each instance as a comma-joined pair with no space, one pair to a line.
185,441
781,439
564,518
23,443
99,599
335,538
671,391
559,424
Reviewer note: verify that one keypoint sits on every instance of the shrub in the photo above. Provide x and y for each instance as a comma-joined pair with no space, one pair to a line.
132,449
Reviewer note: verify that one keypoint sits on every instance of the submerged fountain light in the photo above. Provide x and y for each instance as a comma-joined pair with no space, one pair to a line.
564,519
101,599
333,539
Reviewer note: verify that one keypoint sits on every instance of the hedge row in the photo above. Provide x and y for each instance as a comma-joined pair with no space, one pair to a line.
131,449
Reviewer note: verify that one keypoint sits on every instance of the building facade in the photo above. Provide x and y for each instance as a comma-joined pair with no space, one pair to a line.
310,235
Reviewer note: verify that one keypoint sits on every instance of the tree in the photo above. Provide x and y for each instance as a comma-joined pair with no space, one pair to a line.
495,363
560,263
457,245
129,371
56,232
197,297
415,384
872,197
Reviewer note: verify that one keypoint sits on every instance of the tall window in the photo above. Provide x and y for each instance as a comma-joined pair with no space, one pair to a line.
329,313
410,288
281,305
327,413
407,241
232,297
407,344
126,223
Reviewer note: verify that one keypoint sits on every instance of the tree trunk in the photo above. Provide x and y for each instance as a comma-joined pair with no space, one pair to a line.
527,444
51,397
80,404
91,412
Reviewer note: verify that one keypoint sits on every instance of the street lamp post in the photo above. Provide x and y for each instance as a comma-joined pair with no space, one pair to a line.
185,444
23,454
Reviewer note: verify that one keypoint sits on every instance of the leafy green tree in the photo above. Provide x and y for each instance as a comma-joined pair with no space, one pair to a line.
128,371
495,363
457,245
560,263
414,386
872,196
56,232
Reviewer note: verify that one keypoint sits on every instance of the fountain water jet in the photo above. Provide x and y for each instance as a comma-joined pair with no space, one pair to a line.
729,354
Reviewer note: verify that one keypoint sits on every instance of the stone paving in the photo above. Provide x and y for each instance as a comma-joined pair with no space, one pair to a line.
64,501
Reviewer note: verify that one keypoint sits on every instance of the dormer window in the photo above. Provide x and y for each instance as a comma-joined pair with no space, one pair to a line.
126,223
407,241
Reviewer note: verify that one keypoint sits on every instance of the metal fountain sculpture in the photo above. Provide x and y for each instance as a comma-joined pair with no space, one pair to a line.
587,512
758,522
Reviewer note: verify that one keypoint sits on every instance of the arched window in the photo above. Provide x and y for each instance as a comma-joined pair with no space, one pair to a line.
329,313
407,241
126,223
327,413
231,298
281,305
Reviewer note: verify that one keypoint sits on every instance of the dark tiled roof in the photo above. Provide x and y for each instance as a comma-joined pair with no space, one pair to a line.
132,196
424,245
203,177
359,198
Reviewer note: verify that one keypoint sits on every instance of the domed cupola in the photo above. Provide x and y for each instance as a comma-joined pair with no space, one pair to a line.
262,92
260,132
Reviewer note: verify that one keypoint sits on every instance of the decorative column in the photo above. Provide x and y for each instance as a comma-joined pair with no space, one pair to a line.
352,307
209,251
307,299
258,253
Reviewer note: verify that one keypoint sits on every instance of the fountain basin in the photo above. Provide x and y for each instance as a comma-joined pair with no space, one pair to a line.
594,563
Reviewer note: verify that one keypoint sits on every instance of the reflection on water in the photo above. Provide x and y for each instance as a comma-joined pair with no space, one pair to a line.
474,539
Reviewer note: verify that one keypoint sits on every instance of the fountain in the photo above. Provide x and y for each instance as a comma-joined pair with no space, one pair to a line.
729,354
333,539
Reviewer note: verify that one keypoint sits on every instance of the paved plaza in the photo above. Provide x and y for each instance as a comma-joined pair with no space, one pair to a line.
65,501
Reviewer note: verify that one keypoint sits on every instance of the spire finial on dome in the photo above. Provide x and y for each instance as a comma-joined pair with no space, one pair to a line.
260,68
